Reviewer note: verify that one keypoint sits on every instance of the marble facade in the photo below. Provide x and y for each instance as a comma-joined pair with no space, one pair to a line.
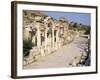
47,35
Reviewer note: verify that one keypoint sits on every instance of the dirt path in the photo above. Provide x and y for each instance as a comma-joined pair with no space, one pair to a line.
63,57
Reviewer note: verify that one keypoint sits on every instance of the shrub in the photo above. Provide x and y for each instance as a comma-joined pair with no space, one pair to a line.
27,45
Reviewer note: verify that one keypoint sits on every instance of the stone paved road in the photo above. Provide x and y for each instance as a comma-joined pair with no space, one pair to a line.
60,58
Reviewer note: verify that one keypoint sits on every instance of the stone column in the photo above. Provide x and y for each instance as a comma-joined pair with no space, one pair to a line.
38,35
46,38
53,37
57,38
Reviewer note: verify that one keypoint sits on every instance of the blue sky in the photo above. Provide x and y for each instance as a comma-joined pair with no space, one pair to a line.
83,18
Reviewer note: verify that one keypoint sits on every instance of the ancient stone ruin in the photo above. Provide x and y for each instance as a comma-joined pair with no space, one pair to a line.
45,35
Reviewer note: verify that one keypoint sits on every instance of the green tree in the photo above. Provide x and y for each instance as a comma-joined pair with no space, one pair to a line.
27,45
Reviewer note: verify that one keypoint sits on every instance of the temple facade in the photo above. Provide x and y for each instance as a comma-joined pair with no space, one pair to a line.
46,36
